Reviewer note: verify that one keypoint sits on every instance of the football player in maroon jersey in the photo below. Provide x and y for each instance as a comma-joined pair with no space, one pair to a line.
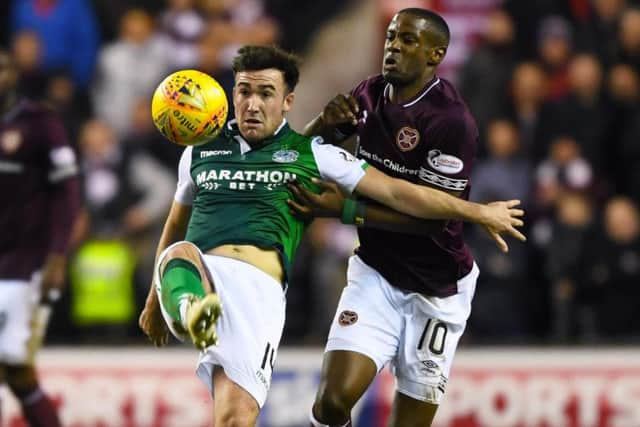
40,192
411,282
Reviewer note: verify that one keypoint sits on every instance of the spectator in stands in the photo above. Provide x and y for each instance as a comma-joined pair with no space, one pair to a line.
129,68
26,49
583,112
505,173
629,38
528,108
63,96
598,34
182,26
68,31
126,190
564,169
231,24
610,272
623,92
570,227
491,63
554,51
504,284
126,193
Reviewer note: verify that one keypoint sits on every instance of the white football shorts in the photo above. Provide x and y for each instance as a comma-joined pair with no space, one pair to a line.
416,334
21,331
250,328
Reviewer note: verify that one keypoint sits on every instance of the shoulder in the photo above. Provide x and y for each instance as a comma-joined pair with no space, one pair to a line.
451,108
372,84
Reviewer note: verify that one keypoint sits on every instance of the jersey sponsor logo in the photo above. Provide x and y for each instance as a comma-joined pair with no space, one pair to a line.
285,156
209,153
388,163
347,318
407,138
242,179
11,141
444,163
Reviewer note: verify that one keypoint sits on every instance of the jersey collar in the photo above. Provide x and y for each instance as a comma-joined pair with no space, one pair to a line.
233,132
433,82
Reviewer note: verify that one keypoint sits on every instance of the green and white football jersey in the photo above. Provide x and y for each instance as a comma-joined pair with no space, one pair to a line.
238,192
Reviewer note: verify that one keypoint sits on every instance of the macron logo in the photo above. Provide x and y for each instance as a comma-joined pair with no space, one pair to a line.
209,153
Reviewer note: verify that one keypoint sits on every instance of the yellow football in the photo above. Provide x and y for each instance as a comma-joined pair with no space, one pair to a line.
189,107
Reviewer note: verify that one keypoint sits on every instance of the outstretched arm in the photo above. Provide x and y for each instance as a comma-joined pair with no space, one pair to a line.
424,202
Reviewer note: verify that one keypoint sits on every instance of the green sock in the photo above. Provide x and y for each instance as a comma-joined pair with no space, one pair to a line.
180,278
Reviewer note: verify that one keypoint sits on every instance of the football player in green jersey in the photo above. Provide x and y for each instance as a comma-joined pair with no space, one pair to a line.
224,254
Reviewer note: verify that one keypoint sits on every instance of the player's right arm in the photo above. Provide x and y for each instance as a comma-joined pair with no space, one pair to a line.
337,121
174,230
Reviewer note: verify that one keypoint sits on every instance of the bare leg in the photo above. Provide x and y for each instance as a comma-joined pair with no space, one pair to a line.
346,375
409,412
234,406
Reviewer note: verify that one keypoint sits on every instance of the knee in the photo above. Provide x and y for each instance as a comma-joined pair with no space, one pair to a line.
235,417
21,379
184,249
333,405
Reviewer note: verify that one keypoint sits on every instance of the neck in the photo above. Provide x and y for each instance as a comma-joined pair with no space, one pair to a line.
401,93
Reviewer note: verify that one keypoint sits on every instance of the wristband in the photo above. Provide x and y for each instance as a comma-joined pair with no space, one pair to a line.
353,212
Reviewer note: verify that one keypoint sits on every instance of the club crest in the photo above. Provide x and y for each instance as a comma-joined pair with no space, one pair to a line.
347,318
10,141
285,156
407,138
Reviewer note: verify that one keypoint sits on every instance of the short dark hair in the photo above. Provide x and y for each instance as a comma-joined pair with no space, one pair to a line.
254,58
437,24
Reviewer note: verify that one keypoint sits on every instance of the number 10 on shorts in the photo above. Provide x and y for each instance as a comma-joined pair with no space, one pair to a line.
435,335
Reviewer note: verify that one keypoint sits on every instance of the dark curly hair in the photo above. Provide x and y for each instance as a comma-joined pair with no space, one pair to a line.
254,58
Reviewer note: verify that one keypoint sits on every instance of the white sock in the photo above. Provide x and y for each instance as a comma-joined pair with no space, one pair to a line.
183,304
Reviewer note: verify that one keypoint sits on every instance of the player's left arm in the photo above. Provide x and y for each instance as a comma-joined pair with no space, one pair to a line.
64,206
355,175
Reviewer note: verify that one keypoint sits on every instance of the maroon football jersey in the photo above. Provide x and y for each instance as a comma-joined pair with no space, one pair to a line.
430,140
38,189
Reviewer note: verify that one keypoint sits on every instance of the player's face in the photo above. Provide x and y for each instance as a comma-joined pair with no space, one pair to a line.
8,75
260,99
408,54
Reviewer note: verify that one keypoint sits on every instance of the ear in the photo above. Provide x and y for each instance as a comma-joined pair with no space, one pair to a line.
436,55
288,101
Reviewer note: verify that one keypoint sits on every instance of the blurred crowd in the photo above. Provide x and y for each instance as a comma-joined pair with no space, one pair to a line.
554,87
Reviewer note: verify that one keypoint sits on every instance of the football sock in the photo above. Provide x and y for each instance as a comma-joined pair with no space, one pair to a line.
316,423
38,409
179,280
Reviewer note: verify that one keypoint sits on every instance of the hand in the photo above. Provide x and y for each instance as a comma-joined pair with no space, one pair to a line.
501,217
53,277
308,205
341,109
152,323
